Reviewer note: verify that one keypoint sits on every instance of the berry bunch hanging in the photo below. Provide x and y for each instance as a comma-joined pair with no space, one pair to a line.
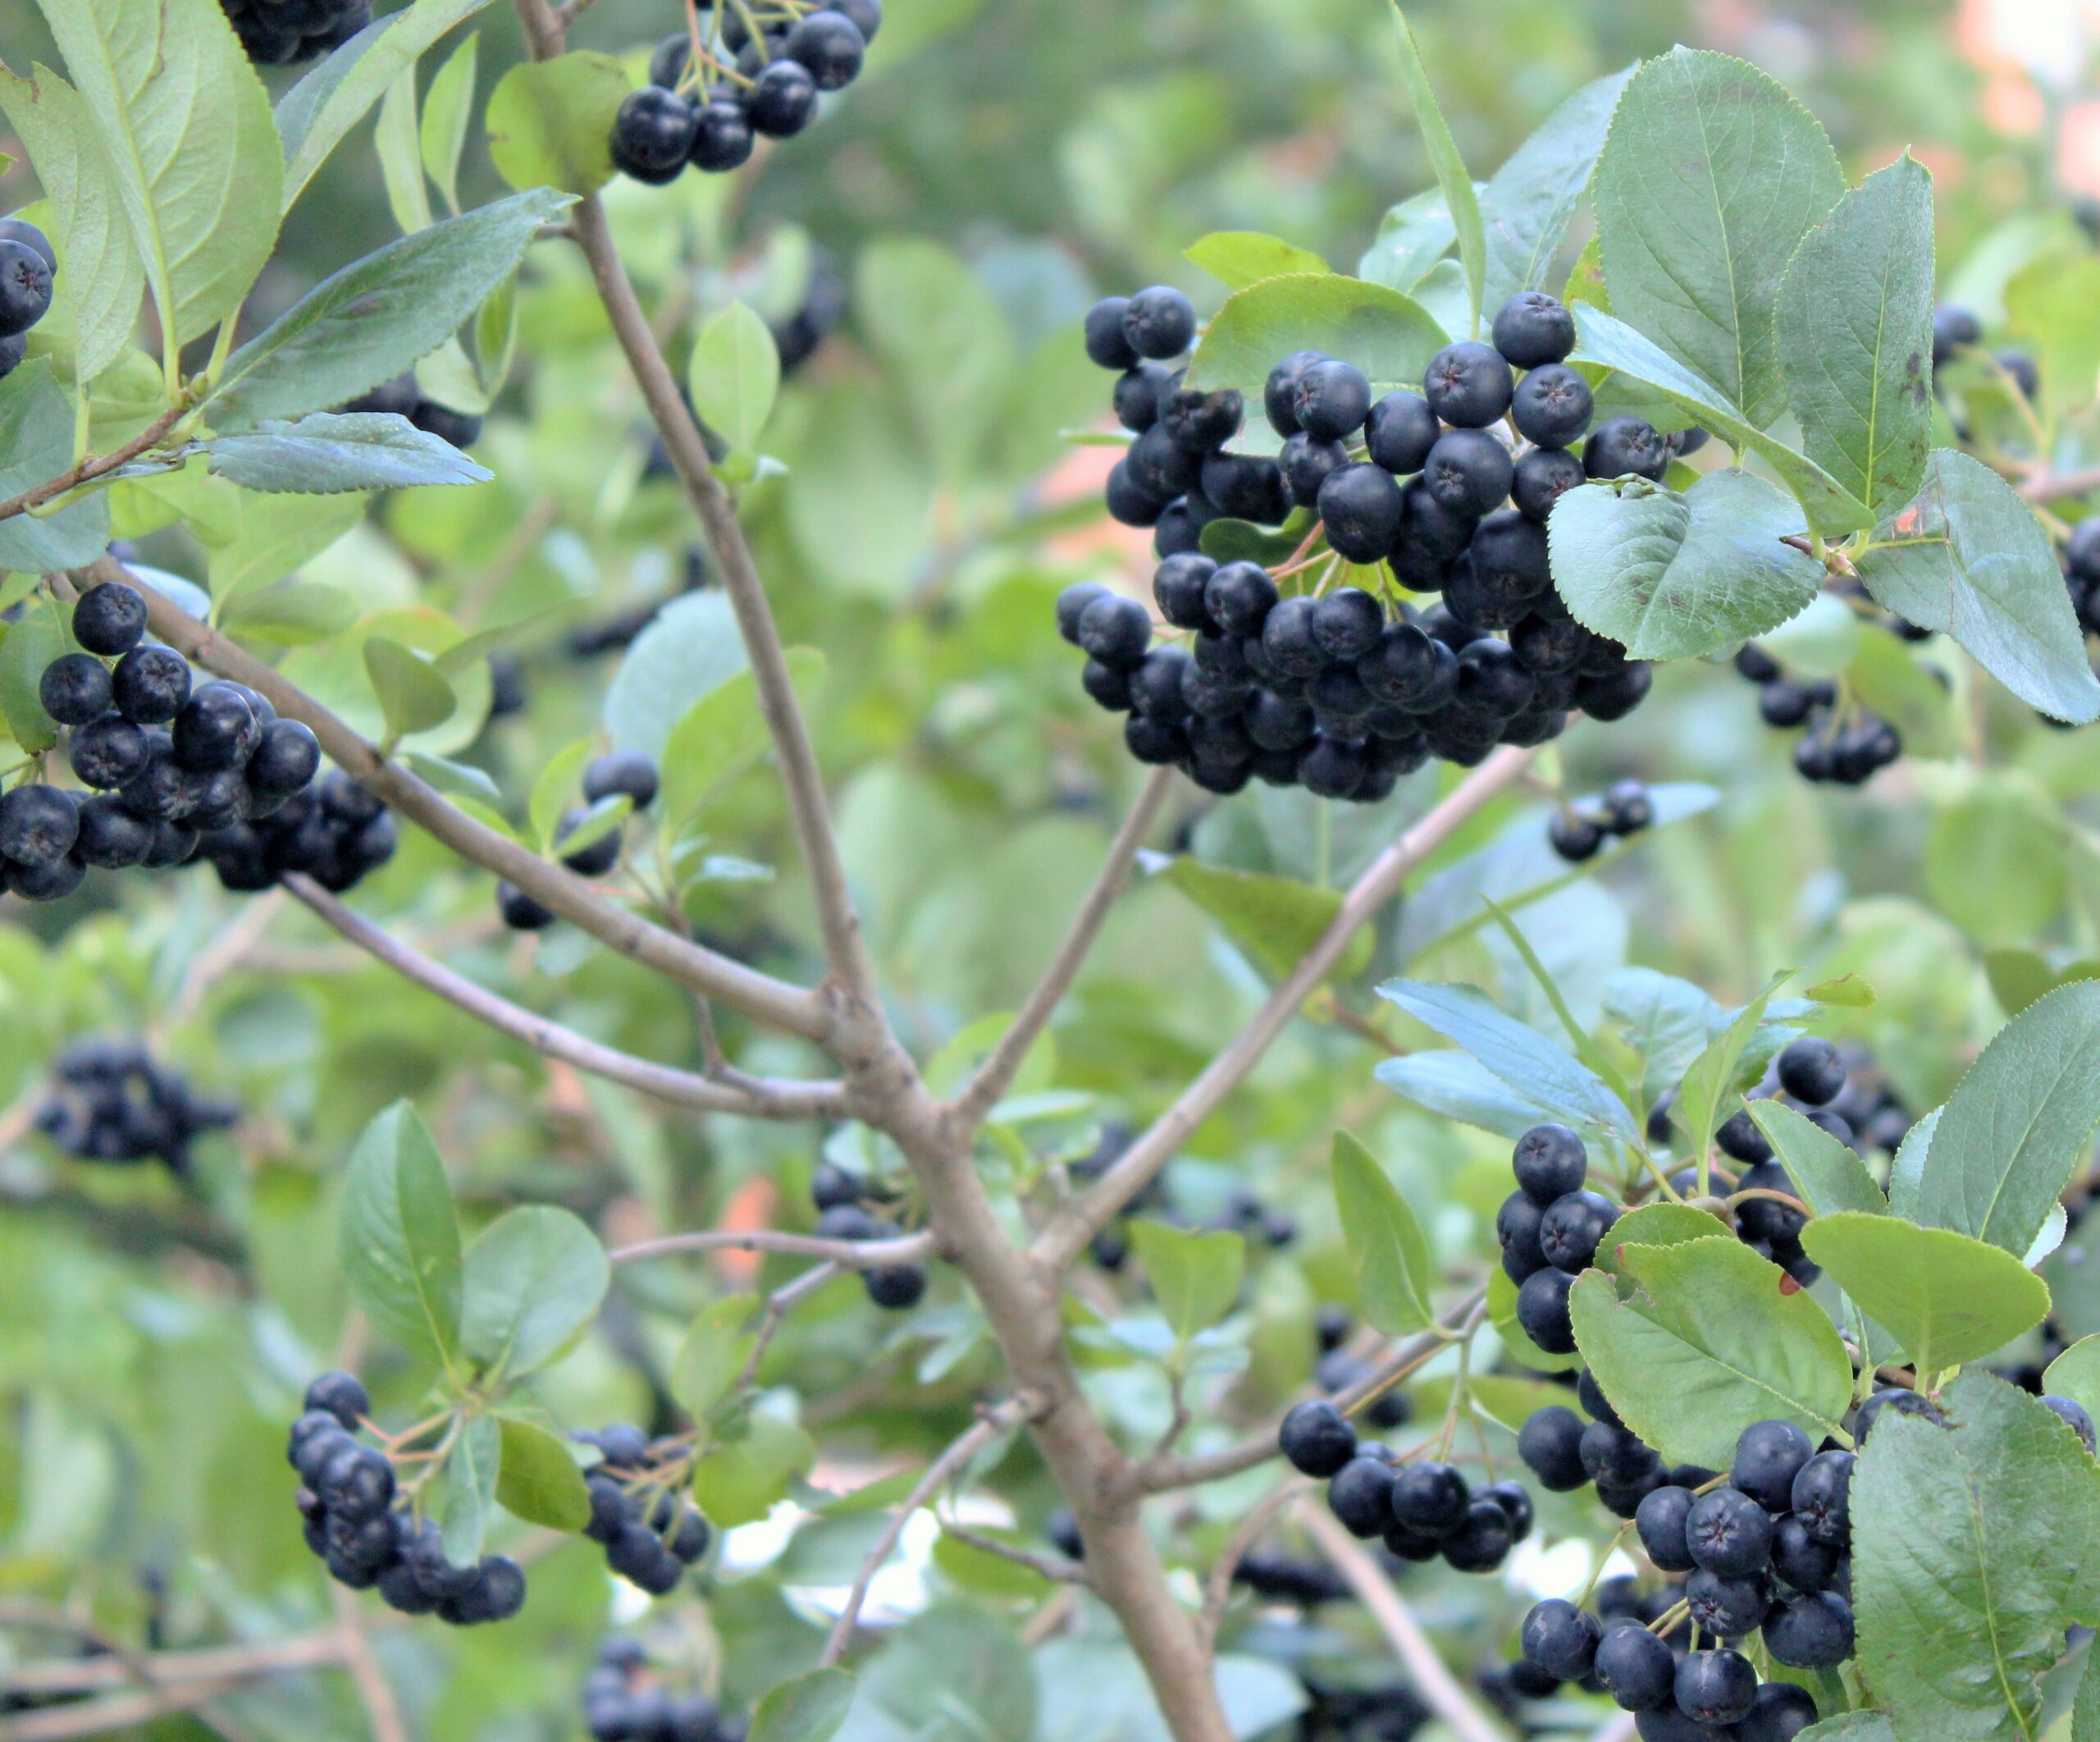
1844,743
1343,688
28,262
1549,1228
277,33
369,1533
746,72
626,774
1578,832
111,1103
650,1535
626,1697
848,1207
336,833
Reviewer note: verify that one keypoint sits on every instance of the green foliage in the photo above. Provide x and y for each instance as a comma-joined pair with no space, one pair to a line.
1390,1258
399,1242
549,121
1948,1299
734,376
1194,1277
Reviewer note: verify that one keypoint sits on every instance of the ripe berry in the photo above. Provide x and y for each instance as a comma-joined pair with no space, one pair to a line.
1629,807
895,1287
1561,1640
782,101
1105,343
1517,1229
1728,1532
1467,471
1715,1687
1178,587
24,288
150,685
1481,1540
1330,399
1239,597
1246,487
341,1395
1515,1502
1822,1496
1549,1162
75,689
1202,423
1637,1668
1468,385
1307,464
1114,630
107,752
1621,447
830,45
1739,1137
285,762
1811,1072
1811,1633
110,836
1768,1455
1573,1227
1491,682
1575,838
1550,1442
20,229
110,619
1552,406
1540,478
1332,767
2020,368
652,133
1953,329
1402,668
1279,392
1361,1497
1532,330
1159,322
722,137
1542,1310
1726,1606
215,730
1799,1559
2075,1416
1316,1438
37,826
1430,1496
1781,1711
1361,506
519,910
1664,1520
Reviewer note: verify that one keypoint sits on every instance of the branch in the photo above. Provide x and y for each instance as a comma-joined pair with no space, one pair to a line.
1218,1583
2053,486
1066,1236
1446,1698
754,1097
375,1693
965,1446
996,1075
94,466
848,1255
1053,1567
138,1665
781,1301
758,995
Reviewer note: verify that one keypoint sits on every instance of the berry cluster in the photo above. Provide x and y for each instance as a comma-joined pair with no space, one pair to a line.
650,1535
1578,833
1843,744
405,398
1549,1228
780,54
626,773
111,1103
1326,687
164,763
27,263
1567,1453
365,1532
842,1198
1283,1577
1418,1510
278,33
625,1700
1393,1714
336,833
1244,1213
1339,1368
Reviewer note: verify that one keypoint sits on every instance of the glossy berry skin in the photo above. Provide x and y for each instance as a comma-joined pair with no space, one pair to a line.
1516,1503
1551,406
519,910
1361,506
1768,1455
593,859
1798,1559
895,1288
1664,1520
1576,838
1481,1540
285,762
1330,399
830,45
1106,344
1629,806
1715,1687
1549,1162
110,619
1430,1496
1822,1498
1361,1497
1348,623
1623,447
2075,1416
722,137
1637,1668
341,1395
1724,1604
75,689
1307,464
1468,385
107,752
1532,330
1160,322
1332,768
1560,1639
1239,597
1811,1072
1572,1228
1114,630
24,288
1316,1438
37,826
1542,1310
110,836
1201,423
1780,1710
1550,1442
1902,1402
20,229
652,133
628,771
150,685
215,730
1516,1230
1540,478
1812,1633
1179,588
1728,1532
1246,487
1279,392
1467,471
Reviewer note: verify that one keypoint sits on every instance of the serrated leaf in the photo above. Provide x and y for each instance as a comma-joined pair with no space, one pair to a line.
1194,1275
691,648
399,1238
1830,1174
723,734
1946,1298
1713,1338
1412,236
549,122
1388,1255
1276,920
314,116
1526,205
448,107
470,1473
36,445
1972,561
734,376
1677,577
538,1479
328,453
713,1354
413,695
533,1281
34,640
555,787
809,1708
1855,337
1658,1224
1238,258
1452,178
1710,177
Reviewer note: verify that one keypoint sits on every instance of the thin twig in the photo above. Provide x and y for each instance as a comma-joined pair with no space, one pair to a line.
1432,1679
996,1074
1218,1583
1054,1567
1066,1235
781,1301
848,1255
94,466
375,1692
2051,487
138,1665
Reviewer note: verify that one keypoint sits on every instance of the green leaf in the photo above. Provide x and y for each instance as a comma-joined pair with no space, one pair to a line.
1451,177
534,1279
1712,1338
366,324
1194,1275
2085,1713
537,1479
1456,1086
36,445
713,1354
327,453
470,1473
1226,540
1519,1055
396,137
1711,177
2076,1375
2049,304
448,106
292,614
691,648
1973,562
1851,1726
1412,236
461,780
1712,1080
1676,576
740,1478
1276,920
1659,1224
1609,343
946,344
722,734
1831,1176
1238,258
2018,1125
734,376
316,114
1667,1021
1996,861
34,640
275,535
1527,204
100,273
185,124
1946,1298
1388,1255
399,1239
955,1674
1973,1547
1855,336
549,121
413,695
809,1708
555,788
1391,338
